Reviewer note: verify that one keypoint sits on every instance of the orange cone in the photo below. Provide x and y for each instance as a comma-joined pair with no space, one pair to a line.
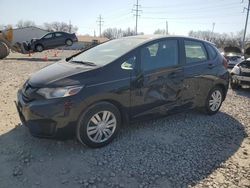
46,57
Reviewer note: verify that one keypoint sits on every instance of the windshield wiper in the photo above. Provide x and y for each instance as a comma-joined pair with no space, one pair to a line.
84,62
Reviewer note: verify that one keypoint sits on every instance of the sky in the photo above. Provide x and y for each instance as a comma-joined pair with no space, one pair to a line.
182,15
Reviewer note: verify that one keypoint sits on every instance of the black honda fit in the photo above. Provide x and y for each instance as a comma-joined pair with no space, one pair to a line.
92,93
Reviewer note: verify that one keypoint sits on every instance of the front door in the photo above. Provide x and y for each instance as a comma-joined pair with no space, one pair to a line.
47,40
156,87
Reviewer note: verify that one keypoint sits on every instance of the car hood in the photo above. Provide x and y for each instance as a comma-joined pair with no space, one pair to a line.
60,74
34,39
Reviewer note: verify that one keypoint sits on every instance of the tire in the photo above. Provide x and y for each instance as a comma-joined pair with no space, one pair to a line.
234,86
69,42
39,48
96,121
4,50
214,101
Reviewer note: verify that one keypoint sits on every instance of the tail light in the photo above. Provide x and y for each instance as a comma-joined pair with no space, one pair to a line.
225,62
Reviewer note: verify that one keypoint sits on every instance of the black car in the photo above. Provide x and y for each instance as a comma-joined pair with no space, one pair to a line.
135,78
240,74
52,40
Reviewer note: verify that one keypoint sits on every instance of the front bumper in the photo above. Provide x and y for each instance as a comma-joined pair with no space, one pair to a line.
242,79
47,118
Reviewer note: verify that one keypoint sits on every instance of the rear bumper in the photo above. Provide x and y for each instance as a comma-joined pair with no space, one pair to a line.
46,118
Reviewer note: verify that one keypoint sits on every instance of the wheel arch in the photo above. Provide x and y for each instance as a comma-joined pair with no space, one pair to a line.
122,110
223,88
39,44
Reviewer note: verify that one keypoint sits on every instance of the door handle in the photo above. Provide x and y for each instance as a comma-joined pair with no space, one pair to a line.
211,65
173,75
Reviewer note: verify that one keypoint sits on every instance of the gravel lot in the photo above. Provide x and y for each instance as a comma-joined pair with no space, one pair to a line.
183,150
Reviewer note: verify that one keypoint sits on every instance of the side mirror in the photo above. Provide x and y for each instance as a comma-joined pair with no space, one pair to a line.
129,64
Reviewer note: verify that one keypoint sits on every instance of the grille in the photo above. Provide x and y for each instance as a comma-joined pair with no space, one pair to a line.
245,74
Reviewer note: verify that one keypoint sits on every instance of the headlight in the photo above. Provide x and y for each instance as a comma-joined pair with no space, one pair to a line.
50,93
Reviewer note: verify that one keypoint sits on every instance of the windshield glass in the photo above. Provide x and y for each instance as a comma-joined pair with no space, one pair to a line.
109,51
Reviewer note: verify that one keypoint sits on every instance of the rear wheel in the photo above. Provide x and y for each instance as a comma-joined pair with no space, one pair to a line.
69,42
99,125
214,101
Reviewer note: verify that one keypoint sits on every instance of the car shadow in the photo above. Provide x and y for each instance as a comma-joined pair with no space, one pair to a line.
174,151
31,59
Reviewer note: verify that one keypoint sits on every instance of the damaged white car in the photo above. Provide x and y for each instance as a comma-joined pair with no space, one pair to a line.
240,74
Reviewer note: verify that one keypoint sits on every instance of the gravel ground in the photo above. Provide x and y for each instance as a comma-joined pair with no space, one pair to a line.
183,150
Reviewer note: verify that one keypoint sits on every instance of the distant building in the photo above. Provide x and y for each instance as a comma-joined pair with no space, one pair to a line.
26,34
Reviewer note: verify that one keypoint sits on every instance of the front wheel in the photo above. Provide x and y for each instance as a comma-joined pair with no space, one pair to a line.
214,101
99,125
39,48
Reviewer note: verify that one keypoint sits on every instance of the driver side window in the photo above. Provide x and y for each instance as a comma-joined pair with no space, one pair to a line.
48,36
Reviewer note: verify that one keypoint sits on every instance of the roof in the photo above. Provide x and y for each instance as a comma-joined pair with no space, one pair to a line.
31,27
87,38
153,37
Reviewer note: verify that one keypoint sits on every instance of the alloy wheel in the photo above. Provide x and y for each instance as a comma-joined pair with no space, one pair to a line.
215,100
101,126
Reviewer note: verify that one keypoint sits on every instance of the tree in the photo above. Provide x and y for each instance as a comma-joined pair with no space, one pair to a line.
160,32
22,24
60,26
113,33
128,32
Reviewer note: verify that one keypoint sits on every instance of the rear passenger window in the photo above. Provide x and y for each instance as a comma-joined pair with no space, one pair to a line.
159,55
195,52
211,51
58,34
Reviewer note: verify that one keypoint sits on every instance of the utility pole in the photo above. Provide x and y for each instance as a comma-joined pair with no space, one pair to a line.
100,22
136,10
70,26
212,33
245,30
166,27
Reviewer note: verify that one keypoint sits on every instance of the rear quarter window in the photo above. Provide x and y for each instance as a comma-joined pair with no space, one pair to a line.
211,51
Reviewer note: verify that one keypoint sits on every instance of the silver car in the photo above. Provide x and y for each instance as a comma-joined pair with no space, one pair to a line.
233,59
240,74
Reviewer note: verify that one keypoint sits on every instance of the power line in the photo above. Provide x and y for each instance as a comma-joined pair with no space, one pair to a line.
136,10
184,6
100,22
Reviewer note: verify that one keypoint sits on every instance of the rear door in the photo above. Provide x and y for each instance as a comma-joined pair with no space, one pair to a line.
199,71
59,39
157,84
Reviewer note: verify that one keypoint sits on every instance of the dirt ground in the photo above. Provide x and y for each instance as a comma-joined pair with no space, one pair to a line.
182,150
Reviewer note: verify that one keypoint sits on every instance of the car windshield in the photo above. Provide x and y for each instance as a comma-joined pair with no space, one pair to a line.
109,51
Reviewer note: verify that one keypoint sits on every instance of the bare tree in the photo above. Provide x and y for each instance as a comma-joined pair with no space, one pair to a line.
128,32
160,32
113,33
22,24
60,26
221,40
